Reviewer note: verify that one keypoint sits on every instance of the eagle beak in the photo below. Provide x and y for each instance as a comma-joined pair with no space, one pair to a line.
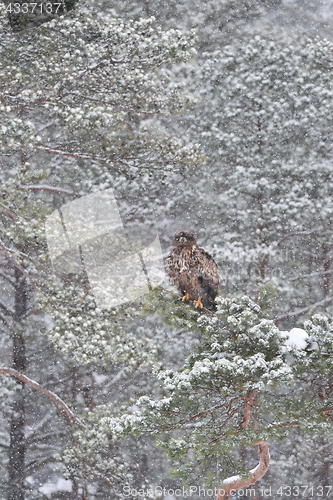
183,240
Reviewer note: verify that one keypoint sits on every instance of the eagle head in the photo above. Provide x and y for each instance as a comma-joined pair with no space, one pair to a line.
184,239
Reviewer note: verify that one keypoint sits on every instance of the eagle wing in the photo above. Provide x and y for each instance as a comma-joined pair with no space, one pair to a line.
173,268
208,275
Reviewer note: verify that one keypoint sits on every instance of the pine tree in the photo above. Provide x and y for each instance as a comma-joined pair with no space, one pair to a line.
240,386
78,94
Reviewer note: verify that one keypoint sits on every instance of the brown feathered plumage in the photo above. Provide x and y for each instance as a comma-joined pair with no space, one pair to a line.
193,270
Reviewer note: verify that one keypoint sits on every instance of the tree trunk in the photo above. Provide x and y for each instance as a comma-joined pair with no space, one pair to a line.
234,483
17,438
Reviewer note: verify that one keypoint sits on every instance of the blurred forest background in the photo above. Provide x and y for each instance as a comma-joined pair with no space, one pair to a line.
214,117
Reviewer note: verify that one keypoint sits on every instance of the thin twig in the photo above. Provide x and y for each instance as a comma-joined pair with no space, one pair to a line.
49,189
7,278
9,256
311,275
6,323
303,233
6,310
299,312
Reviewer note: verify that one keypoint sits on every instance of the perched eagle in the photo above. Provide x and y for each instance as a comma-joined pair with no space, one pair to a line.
193,270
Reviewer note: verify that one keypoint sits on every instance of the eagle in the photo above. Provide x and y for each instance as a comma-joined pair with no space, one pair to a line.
193,271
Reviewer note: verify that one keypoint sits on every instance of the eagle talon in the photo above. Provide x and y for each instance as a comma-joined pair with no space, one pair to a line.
185,297
198,303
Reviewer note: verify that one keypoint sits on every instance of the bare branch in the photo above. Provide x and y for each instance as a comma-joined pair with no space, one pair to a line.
6,323
4,319
99,64
118,377
303,233
82,156
53,397
50,189
7,310
7,278
37,465
4,210
115,106
30,433
47,125
236,482
9,256
299,312
310,275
